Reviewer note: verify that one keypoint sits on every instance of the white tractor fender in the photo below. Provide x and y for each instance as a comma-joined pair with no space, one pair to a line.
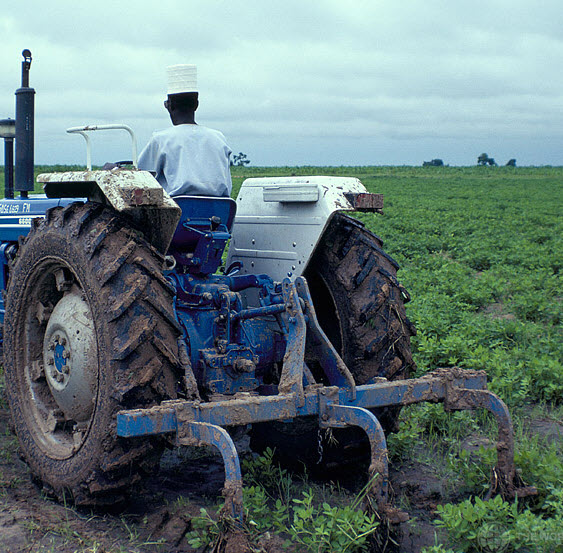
280,220
136,194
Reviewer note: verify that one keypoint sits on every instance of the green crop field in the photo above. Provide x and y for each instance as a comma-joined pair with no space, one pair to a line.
481,252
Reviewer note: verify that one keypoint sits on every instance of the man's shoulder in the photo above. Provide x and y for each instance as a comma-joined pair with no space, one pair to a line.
163,133
188,134
186,129
201,129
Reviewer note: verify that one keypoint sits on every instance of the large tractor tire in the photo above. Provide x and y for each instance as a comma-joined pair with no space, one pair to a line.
360,303
360,306
89,331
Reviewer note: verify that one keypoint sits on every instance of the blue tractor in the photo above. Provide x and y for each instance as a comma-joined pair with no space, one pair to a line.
122,334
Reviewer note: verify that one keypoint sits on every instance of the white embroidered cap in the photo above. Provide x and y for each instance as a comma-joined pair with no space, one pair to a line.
182,78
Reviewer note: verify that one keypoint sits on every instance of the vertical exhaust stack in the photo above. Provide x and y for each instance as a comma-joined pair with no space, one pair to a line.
25,115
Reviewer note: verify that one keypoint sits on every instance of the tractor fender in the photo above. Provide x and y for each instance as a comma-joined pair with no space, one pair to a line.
281,220
136,194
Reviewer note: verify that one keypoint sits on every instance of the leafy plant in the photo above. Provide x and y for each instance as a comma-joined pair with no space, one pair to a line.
436,549
323,528
542,465
205,530
474,469
307,520
497,526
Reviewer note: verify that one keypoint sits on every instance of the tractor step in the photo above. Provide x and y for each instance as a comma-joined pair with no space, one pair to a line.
199,423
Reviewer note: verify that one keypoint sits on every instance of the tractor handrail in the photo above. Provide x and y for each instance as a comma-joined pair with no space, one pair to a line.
113,126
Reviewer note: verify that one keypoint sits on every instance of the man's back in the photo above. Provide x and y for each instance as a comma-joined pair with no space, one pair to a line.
189,160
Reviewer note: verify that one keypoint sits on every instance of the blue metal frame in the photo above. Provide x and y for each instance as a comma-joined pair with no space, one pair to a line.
203,433
334,407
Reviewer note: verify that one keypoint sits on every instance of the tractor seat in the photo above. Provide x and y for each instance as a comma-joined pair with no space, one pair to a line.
197,212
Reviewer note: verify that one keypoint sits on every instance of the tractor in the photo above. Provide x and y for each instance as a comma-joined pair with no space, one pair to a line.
125,333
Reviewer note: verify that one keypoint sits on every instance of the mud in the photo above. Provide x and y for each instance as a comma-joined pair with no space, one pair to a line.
159,517
550,429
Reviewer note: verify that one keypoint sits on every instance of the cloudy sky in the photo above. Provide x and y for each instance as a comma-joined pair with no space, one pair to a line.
299,82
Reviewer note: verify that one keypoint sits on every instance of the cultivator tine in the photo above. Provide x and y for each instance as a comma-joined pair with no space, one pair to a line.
344,415
338,416
504,478
202,433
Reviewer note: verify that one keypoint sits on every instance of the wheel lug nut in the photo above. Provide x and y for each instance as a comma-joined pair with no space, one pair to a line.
66,369
66,354
50,361
59,377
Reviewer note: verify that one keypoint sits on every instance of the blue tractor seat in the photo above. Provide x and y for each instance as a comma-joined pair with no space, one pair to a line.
203,230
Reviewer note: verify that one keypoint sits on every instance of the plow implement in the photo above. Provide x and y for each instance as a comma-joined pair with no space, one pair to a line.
199,423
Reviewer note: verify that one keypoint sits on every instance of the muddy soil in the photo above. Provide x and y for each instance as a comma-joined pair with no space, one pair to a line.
158,517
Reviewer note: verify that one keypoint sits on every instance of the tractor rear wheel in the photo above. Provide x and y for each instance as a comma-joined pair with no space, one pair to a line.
89,331
360,303
360,306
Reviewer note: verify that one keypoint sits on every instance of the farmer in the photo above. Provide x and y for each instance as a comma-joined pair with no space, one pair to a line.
188,159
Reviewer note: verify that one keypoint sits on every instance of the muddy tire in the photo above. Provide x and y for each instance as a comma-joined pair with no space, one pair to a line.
360,303
89,331
360,306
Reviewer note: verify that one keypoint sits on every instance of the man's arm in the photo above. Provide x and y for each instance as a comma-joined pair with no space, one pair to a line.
148,158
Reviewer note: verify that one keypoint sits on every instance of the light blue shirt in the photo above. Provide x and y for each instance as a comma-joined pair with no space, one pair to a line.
189,160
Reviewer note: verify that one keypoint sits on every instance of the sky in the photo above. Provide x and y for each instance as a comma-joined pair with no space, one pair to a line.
380,82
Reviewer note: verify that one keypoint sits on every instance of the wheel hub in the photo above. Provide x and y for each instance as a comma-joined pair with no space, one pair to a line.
58,360
70,357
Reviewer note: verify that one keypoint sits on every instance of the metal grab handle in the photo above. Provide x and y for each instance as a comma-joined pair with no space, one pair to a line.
88,128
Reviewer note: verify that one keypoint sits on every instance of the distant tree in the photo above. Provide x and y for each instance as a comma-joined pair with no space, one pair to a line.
240,160
484,159
511,163
433,163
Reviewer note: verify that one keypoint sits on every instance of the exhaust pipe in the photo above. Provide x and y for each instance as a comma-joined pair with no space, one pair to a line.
25,115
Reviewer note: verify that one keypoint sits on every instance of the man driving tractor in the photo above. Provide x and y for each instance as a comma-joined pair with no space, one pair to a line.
188,159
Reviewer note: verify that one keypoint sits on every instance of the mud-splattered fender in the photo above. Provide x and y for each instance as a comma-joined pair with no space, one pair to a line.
280,220
134,193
